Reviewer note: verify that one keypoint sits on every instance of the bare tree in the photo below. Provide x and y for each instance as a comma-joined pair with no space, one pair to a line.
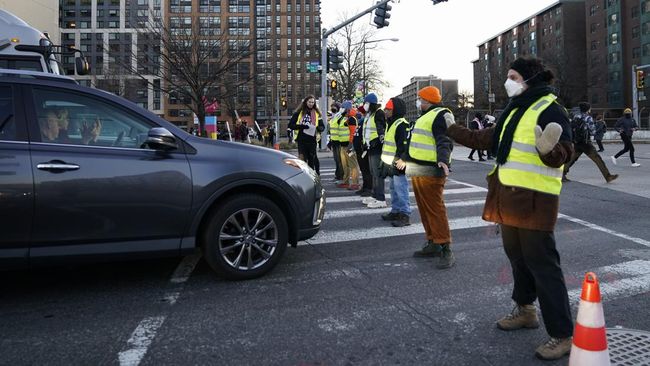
463,102
350,40
196,63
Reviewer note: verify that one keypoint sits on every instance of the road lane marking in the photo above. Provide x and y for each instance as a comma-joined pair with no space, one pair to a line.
335,214
337,236
411,194
185,268
140,341
605,230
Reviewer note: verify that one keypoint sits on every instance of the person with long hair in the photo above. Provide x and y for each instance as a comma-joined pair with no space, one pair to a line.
531,142
308,121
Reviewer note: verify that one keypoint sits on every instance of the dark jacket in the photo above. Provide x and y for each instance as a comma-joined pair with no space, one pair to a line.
401,133
625,125
380,122
357,141
514,206
294,124
601,128
444,146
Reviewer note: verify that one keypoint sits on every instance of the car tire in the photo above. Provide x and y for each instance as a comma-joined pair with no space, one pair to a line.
245,237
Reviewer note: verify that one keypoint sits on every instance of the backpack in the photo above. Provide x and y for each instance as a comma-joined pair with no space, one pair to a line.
580,129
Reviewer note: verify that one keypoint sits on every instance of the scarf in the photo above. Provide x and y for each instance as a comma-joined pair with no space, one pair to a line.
520,103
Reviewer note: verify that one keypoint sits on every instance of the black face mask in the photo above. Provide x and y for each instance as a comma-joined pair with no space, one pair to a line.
627,115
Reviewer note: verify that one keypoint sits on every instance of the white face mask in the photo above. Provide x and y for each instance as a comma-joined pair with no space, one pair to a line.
366,107
513,88
418,104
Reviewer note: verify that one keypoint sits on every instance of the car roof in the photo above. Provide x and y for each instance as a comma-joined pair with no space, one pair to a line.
25,74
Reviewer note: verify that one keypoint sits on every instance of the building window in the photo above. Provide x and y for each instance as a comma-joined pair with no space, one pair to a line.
532,36
635,32
645,28
593,10
636,52
646,49
613,38
613,19
635,11
614,58
594,45
532,22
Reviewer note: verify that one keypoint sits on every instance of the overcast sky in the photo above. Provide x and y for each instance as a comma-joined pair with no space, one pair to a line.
441,40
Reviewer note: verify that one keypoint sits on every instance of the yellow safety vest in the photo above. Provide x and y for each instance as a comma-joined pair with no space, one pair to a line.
390,147
299,121
344,132
333,125
422,145
370,124
523,167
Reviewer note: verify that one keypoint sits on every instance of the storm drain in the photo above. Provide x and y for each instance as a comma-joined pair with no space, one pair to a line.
628,347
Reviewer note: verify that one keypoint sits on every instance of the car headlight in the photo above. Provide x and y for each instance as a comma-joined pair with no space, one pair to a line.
299,164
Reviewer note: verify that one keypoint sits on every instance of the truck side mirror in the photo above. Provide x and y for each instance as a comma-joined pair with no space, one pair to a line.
82,66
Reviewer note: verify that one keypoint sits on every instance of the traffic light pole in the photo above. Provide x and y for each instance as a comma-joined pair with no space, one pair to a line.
323,56
635,90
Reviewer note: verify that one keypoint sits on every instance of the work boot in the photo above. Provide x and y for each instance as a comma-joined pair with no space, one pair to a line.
554,348
447,258
521,316
429,250
401,220
611,177
390,216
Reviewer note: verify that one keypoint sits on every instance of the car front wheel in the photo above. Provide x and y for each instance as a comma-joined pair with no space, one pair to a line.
245,237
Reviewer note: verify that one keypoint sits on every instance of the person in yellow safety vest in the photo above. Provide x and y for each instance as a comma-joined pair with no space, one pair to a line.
394,150
373,139
531,142
429,157
333,143
307,120
347,124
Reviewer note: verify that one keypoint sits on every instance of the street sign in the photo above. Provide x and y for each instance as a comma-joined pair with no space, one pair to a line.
491,97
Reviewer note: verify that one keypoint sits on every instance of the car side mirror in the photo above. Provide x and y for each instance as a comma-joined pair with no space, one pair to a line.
159,138
82,65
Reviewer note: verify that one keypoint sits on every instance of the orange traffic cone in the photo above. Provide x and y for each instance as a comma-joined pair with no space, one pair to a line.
589,346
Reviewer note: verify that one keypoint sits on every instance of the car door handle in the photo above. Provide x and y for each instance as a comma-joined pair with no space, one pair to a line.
57,166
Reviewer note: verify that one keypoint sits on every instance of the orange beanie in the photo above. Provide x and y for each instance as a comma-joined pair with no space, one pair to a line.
431,94
389,105
352,113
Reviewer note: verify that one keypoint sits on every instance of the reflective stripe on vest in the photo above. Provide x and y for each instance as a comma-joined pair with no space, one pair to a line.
523,167
344,131
372,127
422,145
333,126
390,147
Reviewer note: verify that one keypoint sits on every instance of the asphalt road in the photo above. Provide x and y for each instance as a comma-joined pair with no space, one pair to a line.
352,295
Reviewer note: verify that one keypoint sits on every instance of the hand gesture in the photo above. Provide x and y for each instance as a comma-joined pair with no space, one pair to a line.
449,119
546,141
444,167
90,132
400,164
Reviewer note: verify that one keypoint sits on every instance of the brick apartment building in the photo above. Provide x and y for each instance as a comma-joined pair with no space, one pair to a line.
448,90
282,36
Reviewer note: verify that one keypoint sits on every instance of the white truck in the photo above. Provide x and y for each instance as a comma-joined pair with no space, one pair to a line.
23,47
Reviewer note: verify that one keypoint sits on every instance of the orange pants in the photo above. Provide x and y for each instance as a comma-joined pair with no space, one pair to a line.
431,205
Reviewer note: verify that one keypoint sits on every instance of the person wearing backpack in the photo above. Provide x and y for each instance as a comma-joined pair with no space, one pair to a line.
582,127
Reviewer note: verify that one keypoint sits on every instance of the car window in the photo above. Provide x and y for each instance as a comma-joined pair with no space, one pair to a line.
7,120
69,118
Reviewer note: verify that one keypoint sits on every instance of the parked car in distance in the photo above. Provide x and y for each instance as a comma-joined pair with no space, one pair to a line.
89,176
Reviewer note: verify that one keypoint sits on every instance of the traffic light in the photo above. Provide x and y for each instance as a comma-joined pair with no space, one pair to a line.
333,85
435,2
640,79
283,103
334,60
381,15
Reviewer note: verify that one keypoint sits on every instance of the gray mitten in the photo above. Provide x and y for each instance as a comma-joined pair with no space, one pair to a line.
545,141
449,119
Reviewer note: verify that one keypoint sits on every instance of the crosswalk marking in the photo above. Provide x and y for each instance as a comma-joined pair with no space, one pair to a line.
337,236
333,214
411,194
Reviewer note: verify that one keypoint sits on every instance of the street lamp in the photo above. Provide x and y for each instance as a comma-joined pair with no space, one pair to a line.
364,57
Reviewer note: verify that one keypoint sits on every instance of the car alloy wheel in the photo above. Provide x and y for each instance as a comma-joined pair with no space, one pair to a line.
248,239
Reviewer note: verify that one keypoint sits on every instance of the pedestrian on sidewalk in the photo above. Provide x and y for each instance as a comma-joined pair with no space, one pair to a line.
601,128
626,126
393,156
362,156
373,139
333,143
582,127
488,122
476,124
429,157
307,120
531,142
